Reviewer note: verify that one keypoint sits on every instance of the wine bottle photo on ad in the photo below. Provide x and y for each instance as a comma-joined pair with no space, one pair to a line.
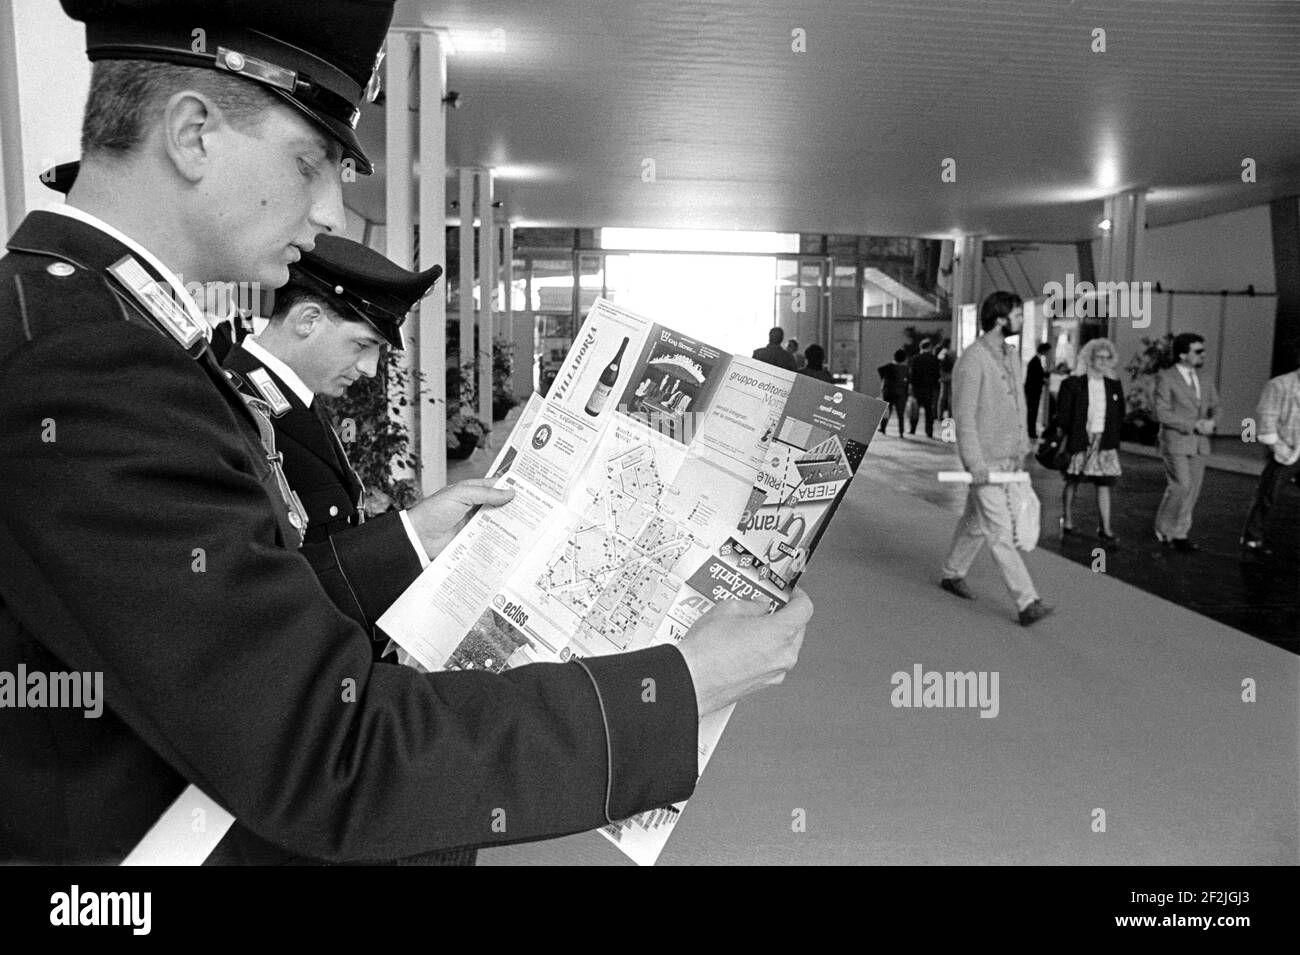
608,378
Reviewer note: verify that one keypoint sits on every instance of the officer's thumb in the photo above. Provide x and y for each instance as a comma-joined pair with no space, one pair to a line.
799,609
481,491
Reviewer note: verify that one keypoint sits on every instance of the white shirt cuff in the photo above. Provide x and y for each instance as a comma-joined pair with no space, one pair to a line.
420,552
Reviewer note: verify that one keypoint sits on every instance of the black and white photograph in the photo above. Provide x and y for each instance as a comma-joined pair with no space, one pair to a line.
281,278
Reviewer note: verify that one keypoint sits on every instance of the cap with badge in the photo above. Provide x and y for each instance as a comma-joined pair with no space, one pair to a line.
319,56
361,281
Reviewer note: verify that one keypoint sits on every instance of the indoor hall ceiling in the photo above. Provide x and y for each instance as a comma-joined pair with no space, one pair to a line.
569,98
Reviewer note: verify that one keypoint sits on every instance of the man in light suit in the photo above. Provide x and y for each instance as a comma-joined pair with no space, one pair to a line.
1186,403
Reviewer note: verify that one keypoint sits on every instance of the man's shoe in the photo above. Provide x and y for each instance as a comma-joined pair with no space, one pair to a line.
1183,544
1035,612
957,586
1255,548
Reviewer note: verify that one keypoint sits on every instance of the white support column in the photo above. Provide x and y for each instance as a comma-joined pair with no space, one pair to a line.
432,342
487,277
511,330
968,273
1121,244
466,267
11,144
44,77
399,194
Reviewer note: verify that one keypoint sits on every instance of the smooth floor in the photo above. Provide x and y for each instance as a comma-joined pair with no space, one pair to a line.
1122,702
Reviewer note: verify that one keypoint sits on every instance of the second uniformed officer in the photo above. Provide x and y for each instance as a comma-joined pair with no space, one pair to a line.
343,304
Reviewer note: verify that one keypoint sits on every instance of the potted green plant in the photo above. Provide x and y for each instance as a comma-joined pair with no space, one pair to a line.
1140,425
465,430
503,367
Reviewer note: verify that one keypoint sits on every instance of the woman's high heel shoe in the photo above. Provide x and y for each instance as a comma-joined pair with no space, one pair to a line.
1066,530
1108,539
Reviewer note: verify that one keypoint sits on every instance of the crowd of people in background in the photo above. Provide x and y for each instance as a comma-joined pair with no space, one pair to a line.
812,362
987,395
990,404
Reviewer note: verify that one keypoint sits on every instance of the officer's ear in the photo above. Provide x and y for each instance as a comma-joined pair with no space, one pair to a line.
305,318
189,121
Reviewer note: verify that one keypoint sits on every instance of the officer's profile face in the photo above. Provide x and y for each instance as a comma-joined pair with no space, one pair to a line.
265,193
335,353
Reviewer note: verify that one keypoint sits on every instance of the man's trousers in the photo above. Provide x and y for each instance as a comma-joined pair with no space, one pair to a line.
987,520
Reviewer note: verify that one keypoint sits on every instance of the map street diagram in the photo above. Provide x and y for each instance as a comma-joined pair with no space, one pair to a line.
614,570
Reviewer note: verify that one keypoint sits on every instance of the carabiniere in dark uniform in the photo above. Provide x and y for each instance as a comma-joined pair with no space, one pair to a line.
356,284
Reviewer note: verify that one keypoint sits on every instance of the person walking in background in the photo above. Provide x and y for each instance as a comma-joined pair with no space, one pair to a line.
773,353
815,362
1186,405
1278,421
946,361
925,372
792,346
893,388
1054,379
1091,408
989,408
1035,376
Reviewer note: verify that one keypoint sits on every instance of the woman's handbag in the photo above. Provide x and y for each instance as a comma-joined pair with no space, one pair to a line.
1051,451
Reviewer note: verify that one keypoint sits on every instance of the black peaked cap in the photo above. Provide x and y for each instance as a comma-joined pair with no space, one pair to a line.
359,280
316,55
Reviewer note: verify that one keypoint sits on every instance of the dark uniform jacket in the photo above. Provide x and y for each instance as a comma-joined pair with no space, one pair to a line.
314,459
140,537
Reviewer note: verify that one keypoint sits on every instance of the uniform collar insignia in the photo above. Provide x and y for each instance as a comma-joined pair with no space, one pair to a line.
269,391
157,301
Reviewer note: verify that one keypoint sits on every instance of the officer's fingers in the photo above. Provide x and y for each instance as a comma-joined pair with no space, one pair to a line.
800,608
475,482
745,608
472,495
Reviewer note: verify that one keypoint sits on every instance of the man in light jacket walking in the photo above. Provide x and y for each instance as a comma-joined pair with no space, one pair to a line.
989,412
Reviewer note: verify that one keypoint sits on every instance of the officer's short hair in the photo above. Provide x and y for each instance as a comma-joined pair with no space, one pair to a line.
125,95
295,292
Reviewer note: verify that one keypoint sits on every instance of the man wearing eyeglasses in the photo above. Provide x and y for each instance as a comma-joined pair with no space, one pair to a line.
1186,403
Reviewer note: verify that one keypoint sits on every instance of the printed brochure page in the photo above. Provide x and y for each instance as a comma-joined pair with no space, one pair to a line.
659,476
